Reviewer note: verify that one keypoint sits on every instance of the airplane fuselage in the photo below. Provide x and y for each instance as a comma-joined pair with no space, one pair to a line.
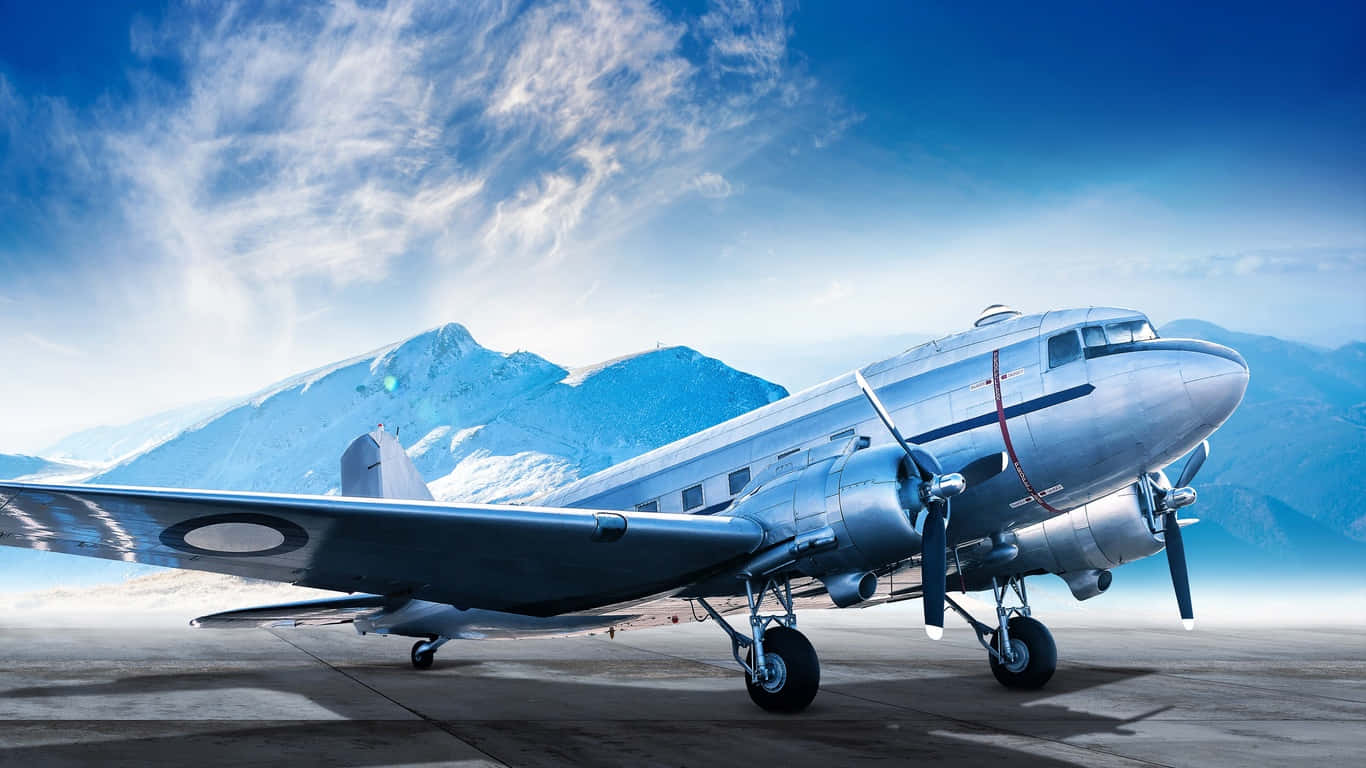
1082,425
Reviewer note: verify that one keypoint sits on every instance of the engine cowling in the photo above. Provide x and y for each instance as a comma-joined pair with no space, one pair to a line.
1083,544
865,497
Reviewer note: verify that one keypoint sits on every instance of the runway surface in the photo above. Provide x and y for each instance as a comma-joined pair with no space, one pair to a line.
1122,696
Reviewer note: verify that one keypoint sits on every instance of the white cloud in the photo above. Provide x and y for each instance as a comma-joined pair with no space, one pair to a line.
450,159
711,184
748,38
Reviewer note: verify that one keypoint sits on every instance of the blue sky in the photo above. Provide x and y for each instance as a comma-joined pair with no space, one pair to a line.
196,201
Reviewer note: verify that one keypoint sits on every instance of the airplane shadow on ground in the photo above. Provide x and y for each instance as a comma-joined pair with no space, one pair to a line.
554,721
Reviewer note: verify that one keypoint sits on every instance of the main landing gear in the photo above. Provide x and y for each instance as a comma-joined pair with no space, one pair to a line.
424,651
782,672
1020,649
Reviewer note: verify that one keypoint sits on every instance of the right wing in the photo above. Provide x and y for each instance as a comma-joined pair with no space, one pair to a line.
537,561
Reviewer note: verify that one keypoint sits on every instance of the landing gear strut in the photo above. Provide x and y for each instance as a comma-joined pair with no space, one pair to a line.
1020,649
424,651
782,672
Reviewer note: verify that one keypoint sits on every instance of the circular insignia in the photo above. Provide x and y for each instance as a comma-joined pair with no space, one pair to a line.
239,534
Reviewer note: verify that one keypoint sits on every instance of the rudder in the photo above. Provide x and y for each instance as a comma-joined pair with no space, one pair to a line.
376,466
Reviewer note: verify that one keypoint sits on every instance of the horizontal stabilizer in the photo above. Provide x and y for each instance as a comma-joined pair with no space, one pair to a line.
308,613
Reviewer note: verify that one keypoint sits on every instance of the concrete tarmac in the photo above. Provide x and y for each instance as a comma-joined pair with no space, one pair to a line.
1151,695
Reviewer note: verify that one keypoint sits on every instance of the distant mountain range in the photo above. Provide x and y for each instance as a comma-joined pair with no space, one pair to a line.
111,444
1280,488
480,425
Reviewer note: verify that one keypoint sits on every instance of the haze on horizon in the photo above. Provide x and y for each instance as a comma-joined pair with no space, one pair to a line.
196,202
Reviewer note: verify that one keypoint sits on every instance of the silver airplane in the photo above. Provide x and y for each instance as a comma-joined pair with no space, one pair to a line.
1028,444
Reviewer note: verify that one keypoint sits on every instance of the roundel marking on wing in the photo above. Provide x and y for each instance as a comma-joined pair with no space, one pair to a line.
238,534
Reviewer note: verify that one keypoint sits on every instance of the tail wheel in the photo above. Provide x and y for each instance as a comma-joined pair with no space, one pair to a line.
422,659
1036,656
795,672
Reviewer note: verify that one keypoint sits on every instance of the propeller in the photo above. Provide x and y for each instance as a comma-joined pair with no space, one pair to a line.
936,488
1170,500
979,471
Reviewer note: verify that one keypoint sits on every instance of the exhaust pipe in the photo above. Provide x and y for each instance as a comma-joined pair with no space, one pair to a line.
848,589
1087,584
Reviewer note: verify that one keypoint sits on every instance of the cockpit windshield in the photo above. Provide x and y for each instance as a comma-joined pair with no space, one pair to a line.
1129,330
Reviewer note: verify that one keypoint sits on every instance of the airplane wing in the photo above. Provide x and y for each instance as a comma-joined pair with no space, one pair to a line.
537,561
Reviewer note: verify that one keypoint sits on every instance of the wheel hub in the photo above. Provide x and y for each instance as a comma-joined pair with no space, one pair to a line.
1021,660
775,673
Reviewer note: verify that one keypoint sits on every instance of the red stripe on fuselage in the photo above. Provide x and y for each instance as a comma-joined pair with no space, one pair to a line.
1005,434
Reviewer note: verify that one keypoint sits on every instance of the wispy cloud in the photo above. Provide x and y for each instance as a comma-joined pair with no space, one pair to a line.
458,157
49,345
711,184
331,143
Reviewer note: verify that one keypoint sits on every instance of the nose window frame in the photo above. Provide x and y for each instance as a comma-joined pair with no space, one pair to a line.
1093,336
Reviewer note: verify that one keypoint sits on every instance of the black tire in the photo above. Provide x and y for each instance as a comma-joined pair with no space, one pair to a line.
422,660
801,672
1039,665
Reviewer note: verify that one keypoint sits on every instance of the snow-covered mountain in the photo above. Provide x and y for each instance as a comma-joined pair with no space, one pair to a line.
20,466
480,425
111,444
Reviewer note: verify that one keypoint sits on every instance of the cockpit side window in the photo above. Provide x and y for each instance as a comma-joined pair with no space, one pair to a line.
1130,330
1063,348
1093,335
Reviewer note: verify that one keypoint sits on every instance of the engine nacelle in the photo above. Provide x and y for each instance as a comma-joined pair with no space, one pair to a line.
862,496
1083,544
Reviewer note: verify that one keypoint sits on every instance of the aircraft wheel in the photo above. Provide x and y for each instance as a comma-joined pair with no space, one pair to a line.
422,659
796,672
1036,656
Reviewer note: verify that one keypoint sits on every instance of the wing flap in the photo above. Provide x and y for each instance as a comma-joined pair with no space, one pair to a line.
532,560
328,610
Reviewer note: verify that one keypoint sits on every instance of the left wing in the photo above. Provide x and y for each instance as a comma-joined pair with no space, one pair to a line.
538,561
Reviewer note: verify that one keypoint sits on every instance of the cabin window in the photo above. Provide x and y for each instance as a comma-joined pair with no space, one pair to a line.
738,480
692,498
841,435
1132,330
649,506
785,454
1093,335
1063,349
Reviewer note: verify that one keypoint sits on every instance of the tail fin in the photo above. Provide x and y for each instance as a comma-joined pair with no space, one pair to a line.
376,466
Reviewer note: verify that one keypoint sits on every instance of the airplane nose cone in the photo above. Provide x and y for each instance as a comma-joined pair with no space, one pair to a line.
1216,378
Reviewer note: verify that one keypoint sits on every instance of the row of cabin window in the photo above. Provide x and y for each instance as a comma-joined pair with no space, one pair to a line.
737,480
1066,347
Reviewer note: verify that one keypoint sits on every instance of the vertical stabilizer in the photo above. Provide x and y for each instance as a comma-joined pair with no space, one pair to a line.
376,466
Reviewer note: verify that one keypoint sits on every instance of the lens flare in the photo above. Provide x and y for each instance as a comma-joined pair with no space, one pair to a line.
390,383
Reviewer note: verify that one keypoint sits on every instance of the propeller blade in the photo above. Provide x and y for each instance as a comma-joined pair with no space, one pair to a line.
934,568
983,469
1193,464
1176,562
911,451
